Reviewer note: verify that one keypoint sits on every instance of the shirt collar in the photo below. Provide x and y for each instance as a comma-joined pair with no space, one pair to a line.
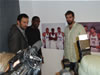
23,31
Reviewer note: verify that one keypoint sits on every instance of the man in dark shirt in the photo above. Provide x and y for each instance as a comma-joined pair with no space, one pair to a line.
33,33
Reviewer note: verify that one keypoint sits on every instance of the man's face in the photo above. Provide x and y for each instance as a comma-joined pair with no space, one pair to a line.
47,30
59,30
69,19
36,23
23,23
92,30
52,30
86,29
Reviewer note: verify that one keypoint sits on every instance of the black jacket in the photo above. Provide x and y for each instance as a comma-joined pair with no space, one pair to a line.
16,40
33,35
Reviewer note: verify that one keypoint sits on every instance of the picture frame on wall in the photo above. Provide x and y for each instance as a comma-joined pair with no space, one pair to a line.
53,35
93,33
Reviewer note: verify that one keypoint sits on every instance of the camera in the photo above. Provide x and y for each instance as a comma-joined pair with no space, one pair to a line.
26,62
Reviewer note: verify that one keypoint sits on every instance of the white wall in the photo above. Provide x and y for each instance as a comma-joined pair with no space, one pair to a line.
52,61
53,12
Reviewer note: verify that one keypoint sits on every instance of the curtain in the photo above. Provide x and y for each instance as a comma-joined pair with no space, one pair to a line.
9,10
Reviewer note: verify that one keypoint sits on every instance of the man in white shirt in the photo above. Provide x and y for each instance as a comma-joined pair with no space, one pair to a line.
88,33
60,39
53,39
94,41
72,31
46,38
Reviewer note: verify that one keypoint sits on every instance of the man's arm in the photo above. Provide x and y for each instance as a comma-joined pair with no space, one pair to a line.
50,38
55,37
81,30
14,42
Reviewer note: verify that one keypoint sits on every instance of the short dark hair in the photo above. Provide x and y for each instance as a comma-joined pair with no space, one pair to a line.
69,12
35,17
47,28
52,29
58,28
93,28
20,16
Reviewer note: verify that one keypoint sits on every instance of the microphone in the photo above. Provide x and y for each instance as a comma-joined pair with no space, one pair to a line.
37,45
34,49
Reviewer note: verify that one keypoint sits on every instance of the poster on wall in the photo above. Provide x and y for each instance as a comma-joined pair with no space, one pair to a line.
93,31
53,35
